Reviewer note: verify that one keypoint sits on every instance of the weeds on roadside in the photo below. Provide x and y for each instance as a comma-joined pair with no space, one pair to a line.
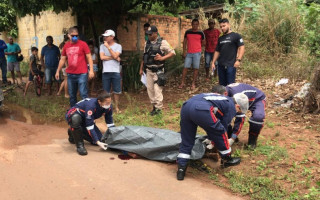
49,110
257,187
273,153
274,33
270,124
140,116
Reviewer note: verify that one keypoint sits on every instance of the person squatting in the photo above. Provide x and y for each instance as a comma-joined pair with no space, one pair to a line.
257,105
81,118
213,112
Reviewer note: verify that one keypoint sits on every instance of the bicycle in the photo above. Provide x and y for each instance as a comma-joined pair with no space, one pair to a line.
38,82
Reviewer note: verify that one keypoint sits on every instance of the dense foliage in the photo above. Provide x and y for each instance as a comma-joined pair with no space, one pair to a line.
312,26
8,19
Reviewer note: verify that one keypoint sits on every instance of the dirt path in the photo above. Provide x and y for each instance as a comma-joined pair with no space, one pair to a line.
37,162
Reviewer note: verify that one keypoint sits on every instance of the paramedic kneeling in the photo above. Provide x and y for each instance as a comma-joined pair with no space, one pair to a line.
81,118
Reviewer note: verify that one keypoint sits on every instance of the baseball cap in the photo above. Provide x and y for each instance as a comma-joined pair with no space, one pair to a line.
109,33
211,21
151,29
243,101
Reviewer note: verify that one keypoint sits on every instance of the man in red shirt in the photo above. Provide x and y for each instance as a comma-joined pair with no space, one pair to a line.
78,53
212,35
193,40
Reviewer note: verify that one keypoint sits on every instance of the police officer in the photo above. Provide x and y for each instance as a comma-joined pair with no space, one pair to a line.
156,51
81,119
257,103
212,112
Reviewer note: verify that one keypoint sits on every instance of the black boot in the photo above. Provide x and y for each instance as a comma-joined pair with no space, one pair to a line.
156,112
78,139
81,149
252,141
71,140
153,110
254,131
181,172
228,161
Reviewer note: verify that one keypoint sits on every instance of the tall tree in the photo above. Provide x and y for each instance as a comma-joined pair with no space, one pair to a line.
8,19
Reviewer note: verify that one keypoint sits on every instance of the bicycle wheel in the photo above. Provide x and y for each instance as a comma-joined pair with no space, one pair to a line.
37,85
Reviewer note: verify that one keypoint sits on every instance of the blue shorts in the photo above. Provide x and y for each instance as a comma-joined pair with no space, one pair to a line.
194,59
114,79
50,73
35,72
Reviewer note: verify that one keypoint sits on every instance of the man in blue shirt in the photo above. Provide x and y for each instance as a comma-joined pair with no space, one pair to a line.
3,61
13,49
50,56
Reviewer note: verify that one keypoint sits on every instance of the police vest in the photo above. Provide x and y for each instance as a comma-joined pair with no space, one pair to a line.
151,52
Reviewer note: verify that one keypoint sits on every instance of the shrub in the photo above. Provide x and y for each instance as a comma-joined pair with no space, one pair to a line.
312,22
274,35
131,68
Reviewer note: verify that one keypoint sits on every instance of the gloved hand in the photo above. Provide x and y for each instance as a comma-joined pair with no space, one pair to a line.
102,145
231,141
208,143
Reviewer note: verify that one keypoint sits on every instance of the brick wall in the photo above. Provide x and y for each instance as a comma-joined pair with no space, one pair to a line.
172,29
130,31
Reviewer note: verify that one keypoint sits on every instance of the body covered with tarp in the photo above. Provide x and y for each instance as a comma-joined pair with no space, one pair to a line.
151,143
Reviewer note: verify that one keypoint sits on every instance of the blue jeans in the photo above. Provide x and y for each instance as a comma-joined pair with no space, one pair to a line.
227,74
208,58
76,81
50,74
3,66
113,78
194,59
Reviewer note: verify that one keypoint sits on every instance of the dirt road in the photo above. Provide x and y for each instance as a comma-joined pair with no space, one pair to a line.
37,162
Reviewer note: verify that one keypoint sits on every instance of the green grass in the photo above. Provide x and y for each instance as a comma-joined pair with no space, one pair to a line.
270,124
50,110
273,153
257,187
314,193
140,116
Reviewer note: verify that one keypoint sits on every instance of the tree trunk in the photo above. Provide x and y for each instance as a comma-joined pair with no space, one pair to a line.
94,31
312,100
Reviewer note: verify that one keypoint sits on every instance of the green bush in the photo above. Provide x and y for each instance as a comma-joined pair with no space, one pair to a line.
131,76
24,67
174,65
275,37
279,26
312,24
131,68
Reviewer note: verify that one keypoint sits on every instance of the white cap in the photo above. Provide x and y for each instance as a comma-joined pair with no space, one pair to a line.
243,101
109,33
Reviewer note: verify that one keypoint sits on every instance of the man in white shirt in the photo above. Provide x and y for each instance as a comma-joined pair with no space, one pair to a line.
110,55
